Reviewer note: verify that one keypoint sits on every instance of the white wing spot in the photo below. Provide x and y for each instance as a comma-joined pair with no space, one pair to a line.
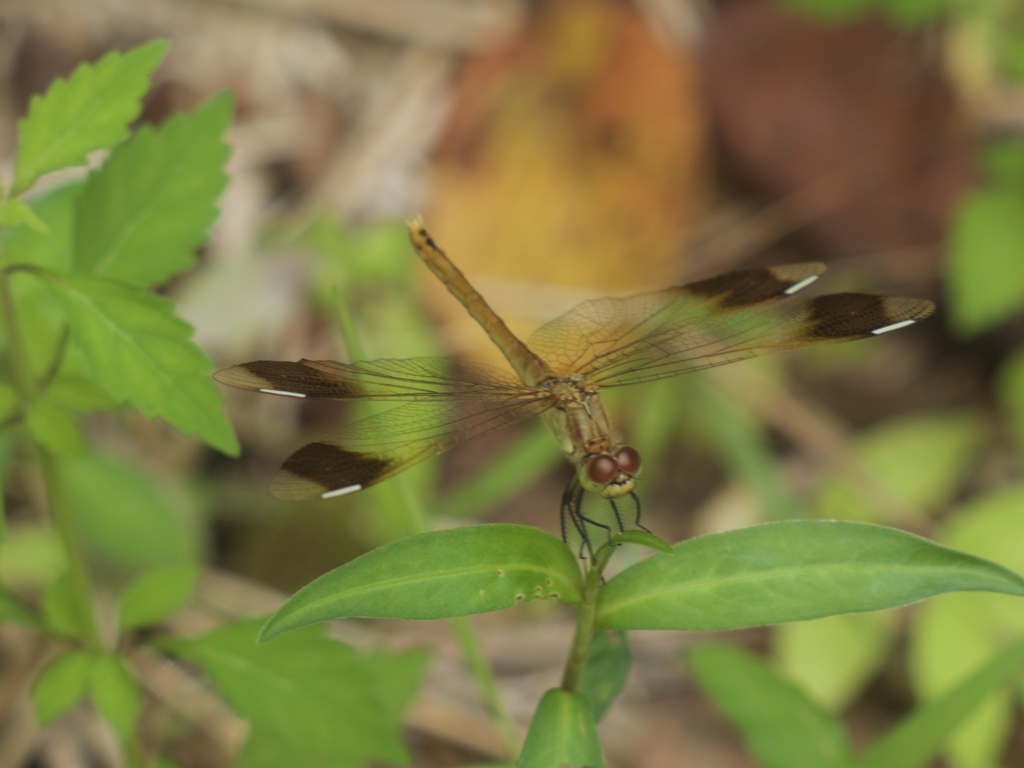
282,392
801,285
341,491
893,327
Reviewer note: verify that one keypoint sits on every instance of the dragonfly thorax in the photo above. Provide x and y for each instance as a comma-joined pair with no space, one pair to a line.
581,424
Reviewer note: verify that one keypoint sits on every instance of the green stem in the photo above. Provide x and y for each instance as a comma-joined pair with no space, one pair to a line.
473,654
81,583
586,614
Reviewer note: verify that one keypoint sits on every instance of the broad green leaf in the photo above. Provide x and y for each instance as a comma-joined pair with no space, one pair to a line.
156,594
986,283
12,609
606,670
955,634
920,461
15,212
789,571
90,110
53,427
1010,386
832,659
61,685
455,572
126,515
562,734
781,725
141,353
31,557
115,693
147,209
919,737
309,700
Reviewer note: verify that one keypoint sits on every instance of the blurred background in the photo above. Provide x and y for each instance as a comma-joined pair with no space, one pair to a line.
566,150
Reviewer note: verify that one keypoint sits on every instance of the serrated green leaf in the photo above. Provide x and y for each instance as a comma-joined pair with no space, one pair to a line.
61,685
147,209
919,460
789,571
115,693
562,734
606,671
125,515
15,212
54,428
309,700
455,572
986,283
781,725
52,248
156,594
833,659
917,740
141,353
90,110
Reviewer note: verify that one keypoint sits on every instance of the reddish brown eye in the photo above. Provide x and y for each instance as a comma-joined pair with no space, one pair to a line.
628,460
602,470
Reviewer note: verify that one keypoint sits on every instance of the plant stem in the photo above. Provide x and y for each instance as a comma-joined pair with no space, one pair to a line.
473,654
585,616
21,371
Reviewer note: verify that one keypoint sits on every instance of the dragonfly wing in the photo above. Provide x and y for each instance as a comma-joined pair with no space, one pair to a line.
595,331
375,448
740,334
415,379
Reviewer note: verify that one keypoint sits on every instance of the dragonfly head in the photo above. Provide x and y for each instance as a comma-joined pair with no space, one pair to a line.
611,474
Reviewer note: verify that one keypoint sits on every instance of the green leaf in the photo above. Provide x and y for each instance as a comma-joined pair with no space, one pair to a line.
917,740
562,734
606,671
61,685
833,659
90,110
115,693
156,594
789,571
141,353
455,572
781,725
15,212
147,209
125,515
53,427
642,539
52,248
986,285
919,460
309,700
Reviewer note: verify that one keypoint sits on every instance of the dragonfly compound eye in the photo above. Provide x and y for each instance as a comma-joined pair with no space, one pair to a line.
602,470
628,460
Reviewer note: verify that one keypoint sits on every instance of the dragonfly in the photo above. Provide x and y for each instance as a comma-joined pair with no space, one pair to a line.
559,374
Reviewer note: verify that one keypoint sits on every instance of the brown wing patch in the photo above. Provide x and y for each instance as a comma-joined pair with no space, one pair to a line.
754,286
842,316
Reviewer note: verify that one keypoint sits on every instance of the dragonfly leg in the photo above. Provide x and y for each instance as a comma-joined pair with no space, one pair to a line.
618,516
636,500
